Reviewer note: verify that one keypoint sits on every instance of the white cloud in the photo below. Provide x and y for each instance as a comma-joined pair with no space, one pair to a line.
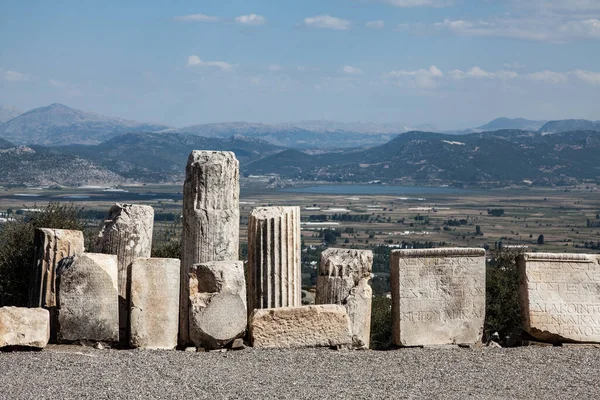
547,76
350,70
421,78
13,76
590,77
529,27
195,61
196,18
375,24
251,19
328,22
418,3
275,67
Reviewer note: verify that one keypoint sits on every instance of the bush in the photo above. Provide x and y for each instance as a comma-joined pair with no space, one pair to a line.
171,249
502,311
381,322
17,248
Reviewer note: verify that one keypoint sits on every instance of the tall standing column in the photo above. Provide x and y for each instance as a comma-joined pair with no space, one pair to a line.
126,233
344,279
211,218
274,278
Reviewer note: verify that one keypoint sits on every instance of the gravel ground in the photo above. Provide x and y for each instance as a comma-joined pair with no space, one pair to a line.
70,372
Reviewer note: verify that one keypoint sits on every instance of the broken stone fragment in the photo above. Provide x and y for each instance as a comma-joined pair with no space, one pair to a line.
217,310
344,279
126,233
88,298
22,327
51,246
154,303
305,326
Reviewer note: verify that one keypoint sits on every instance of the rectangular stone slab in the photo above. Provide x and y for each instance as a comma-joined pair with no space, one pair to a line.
88,298
24,327
560,296
438,296
296,327
154,303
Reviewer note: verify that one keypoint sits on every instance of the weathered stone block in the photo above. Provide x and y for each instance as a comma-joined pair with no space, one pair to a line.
343,279
274,245
438,296
304,326
88,298
24,327
154,303
211,218
126,233
51,246
218,312
560,296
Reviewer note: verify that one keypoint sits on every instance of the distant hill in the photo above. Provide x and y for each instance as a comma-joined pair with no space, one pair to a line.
567,125
24,165
8,112
289,136
161,157
58,124
488,158
512,123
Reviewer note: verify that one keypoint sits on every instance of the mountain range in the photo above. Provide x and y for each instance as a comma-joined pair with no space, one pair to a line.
59,125
60,145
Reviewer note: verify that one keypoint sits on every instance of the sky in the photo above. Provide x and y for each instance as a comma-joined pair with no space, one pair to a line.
449,63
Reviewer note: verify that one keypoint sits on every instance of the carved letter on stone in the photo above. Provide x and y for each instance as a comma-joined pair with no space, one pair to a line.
274,278
343,279
211,218
560,296
438,296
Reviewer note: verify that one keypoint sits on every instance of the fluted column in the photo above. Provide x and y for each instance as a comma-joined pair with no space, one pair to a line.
211,218
274,242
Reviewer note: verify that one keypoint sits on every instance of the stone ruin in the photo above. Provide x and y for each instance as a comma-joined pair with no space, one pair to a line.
121,294
560,297
438,296
218,312
274,245
154,303
88,298
211,219
126,233
51,246
344,279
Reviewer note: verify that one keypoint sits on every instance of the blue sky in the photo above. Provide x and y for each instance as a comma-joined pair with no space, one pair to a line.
450,63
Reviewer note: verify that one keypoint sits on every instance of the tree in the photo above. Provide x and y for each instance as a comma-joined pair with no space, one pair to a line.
478,230
540,240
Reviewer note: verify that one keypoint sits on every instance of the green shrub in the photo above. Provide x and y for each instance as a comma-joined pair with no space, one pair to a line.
502,312
17,248
381,322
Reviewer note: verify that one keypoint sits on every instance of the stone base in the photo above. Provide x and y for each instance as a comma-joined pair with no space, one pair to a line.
24,327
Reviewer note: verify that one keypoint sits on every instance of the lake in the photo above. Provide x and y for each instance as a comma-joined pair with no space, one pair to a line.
374,189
